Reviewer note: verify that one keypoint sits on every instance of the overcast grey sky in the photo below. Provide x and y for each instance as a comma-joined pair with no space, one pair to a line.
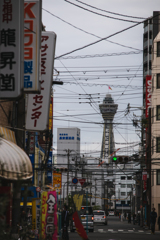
87,72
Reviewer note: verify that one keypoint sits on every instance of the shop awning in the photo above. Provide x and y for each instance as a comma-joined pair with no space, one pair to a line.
14,162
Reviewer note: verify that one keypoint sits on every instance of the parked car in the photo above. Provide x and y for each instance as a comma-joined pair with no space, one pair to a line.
111,213
100,216
86,215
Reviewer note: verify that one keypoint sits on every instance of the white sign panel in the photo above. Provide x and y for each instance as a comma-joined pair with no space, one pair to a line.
38,104
11,47
32,44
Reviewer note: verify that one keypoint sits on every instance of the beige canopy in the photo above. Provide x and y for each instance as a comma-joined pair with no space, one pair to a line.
14,162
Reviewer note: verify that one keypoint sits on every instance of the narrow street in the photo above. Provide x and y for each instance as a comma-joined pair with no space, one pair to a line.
117,230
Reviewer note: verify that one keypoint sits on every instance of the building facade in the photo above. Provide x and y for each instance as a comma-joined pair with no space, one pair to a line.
155,127
68,158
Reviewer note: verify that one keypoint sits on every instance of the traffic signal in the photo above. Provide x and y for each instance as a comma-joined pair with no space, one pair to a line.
60,170
120,159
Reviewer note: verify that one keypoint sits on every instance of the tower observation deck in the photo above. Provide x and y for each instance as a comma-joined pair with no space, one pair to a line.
108,109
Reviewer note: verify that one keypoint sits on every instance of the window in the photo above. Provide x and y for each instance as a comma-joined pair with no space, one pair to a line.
152,179
123,177
158,112
152,149
158,144
123,185
128,202
129,177
152,84
158,177
84,209
122,202
158,49
123,194
153,115
129,185
158,80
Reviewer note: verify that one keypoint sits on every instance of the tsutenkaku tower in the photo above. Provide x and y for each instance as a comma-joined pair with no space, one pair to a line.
108,109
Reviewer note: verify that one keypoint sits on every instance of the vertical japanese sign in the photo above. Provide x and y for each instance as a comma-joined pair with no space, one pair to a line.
38,104
49,168
11,47
32,45
31,142
57,180
148,94
35,213
49,221
51,114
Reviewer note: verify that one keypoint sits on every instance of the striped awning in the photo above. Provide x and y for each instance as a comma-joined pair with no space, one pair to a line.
14,162
8,134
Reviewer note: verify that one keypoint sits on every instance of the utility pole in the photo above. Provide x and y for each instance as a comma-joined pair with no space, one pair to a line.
68,163
76,172
95,192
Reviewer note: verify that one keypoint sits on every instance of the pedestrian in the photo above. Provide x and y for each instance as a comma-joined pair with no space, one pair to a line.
159,222
129,218
134,218
138,219
125,215
153,216
65,222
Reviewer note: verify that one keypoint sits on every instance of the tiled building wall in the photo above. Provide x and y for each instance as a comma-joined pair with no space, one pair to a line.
6,108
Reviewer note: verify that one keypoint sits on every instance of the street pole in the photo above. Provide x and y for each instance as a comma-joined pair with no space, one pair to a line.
87,210
63,192
107,198
95,192
68,155
76,172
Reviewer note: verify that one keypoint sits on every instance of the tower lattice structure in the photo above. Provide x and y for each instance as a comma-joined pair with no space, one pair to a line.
108,109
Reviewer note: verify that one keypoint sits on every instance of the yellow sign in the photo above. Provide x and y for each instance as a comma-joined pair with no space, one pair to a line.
44,198
57,180
77,199
35,213
50,115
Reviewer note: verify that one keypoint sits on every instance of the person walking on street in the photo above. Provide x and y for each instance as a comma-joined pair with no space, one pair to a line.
129,217
65,222
138,219
153,217
134,218
159,222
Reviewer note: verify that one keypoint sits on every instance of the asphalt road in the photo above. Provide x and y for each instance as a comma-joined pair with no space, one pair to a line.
117,230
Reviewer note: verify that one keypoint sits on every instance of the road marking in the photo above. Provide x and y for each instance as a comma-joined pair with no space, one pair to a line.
120,230
100,230
130,230
140,231
110,230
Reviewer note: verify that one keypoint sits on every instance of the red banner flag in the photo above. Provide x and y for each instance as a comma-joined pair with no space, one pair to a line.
79,227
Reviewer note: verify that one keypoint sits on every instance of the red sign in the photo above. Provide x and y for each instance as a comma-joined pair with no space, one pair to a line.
82,181
148,93
144,185
144,177
38,189
79,227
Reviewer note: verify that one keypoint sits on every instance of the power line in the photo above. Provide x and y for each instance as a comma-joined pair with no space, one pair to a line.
110,12
88,32
125,20
102,39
